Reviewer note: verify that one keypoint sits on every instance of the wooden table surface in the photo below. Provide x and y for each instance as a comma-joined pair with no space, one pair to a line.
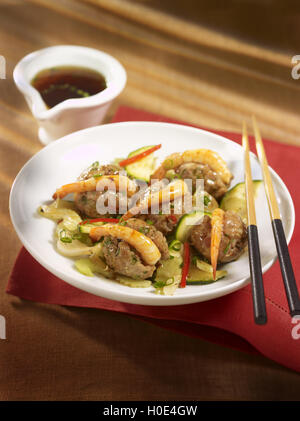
205,63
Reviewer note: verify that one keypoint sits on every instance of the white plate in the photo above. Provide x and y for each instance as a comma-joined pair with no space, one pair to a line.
62,161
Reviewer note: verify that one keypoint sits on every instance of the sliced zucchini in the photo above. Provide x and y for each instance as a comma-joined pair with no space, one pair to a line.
86,228
168,275
133,283
142,169
186,223
200,277
90,266
235,199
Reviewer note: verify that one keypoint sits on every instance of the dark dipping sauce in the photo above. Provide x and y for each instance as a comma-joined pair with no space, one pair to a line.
60,83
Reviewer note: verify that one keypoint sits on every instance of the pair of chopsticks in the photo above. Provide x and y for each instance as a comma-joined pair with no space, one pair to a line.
291,291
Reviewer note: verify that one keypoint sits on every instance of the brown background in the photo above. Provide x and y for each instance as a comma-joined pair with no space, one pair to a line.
209,63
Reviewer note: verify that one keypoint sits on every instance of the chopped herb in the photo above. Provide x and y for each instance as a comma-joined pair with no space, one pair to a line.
144,230
175,245
227,247
181,265
194,260
95,164
97,175
159,284
149,222
134,259
107,241
206,200
123,223
63,236
171,257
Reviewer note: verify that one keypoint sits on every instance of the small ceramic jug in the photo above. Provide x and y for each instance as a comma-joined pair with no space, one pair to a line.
76,113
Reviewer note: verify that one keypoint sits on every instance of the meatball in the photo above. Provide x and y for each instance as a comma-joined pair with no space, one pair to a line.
86,202
123,259
233,240
163,223
96,169
213,182
150,231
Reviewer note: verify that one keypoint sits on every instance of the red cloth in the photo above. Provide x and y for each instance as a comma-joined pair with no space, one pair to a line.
227,320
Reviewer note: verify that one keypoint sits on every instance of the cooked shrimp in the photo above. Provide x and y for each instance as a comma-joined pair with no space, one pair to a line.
153,199
117,182
201,156
217,220
143,244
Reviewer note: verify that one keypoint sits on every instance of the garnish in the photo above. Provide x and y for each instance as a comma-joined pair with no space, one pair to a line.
63,236
206,200
186,264
173,218
227,247
139,156
175,245
91,221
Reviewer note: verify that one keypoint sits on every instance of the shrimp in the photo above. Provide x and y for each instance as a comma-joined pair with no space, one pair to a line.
217,221
117,182
143,244
169,193
201,156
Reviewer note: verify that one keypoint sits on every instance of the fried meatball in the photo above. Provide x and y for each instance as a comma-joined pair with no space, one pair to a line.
150,231
124,259
213,182
86,202
233,240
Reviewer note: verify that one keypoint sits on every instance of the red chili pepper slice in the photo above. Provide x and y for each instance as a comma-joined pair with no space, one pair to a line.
139,156
90,221
173,218
186,264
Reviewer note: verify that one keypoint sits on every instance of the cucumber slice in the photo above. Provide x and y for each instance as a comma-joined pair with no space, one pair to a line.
235,199
142,169
186,223
133,283
201,277
86,228
92,265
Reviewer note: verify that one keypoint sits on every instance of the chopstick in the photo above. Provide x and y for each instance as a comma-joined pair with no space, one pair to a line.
258,295
286,267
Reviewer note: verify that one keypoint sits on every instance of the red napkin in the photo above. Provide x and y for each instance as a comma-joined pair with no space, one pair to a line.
227,320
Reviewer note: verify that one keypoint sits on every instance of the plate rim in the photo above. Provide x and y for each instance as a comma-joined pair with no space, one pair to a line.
151,300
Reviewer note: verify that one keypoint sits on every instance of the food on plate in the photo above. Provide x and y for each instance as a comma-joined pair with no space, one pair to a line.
195,165
163,236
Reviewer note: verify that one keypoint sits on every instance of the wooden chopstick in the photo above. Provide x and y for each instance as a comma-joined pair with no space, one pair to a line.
258,295
286,267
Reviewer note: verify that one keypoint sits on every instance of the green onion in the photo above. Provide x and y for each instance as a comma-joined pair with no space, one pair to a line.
227,247
64,238
175,245
206,200
194,260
